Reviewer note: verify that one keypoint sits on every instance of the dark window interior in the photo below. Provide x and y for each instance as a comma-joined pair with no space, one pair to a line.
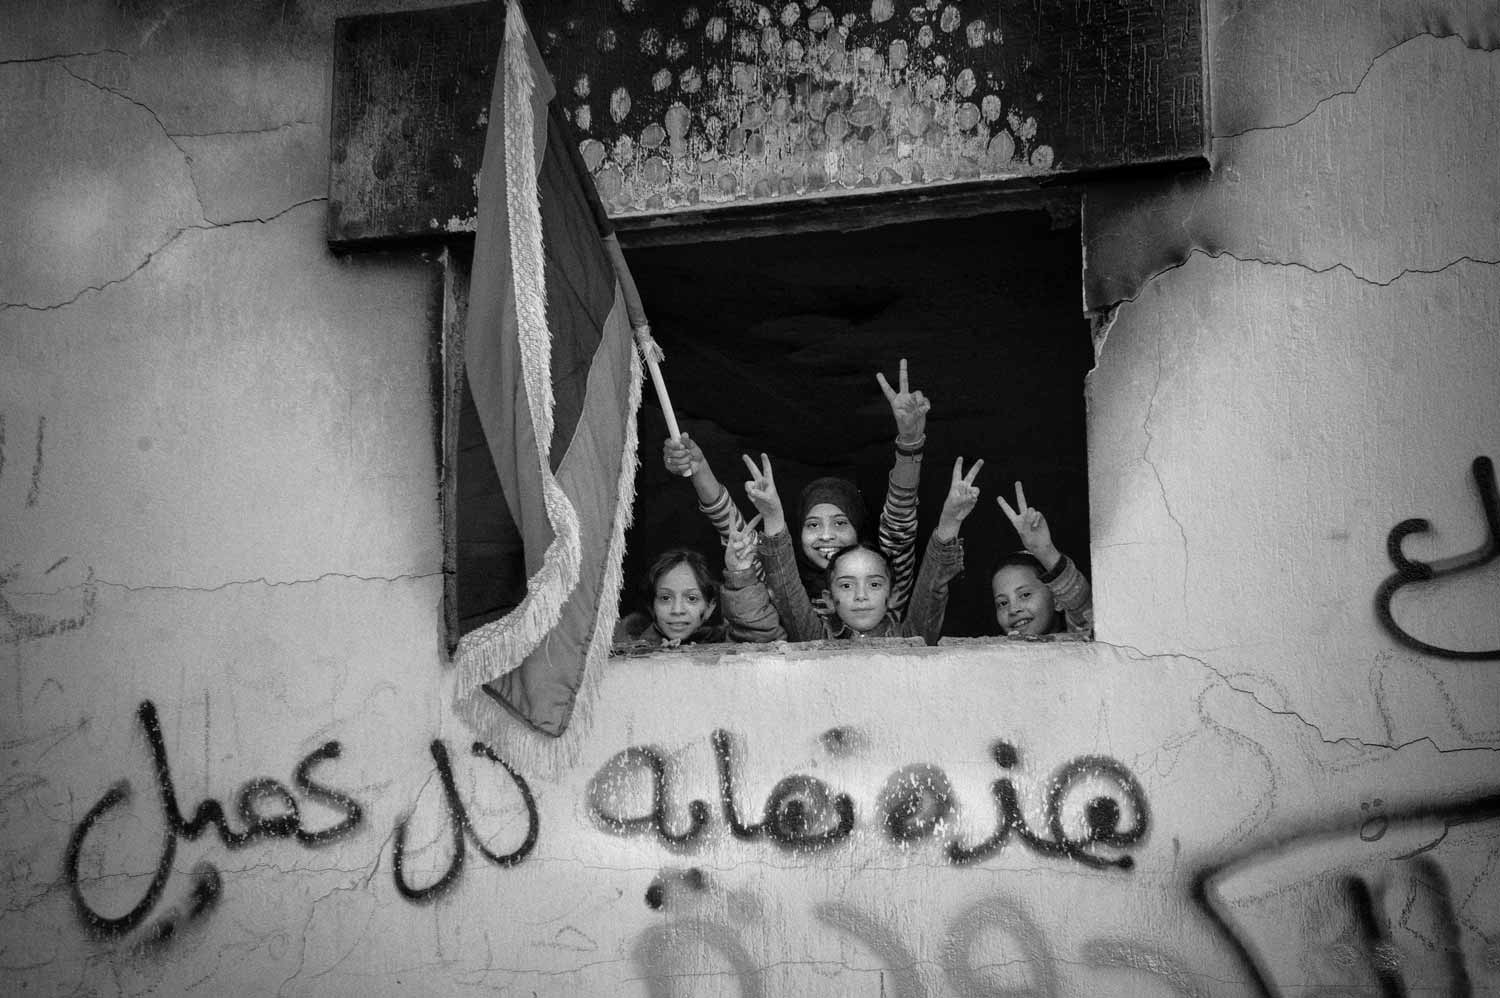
773,344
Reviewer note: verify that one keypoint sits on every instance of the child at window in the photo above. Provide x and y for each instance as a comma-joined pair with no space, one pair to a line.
681,599
1031,586
747,604
858,579
831,513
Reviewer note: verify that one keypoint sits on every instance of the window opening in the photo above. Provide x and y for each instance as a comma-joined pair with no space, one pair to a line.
773,344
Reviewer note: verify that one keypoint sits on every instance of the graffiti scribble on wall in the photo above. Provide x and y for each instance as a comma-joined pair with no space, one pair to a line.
1390,903
461,829
725,102
1410,571
264,809
636,792
40,602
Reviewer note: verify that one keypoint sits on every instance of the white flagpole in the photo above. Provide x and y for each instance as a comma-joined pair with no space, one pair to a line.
653,356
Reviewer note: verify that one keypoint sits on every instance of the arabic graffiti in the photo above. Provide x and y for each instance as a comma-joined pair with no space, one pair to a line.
1320,912
803,813
1102,814
994,945
462,828
800,812
1410,571
1377,909
267,809
600,798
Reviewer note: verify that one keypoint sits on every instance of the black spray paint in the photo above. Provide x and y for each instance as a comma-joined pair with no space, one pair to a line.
621,767
1361,895
462,829
264,808
1101,814
803,813
800,814
1410,570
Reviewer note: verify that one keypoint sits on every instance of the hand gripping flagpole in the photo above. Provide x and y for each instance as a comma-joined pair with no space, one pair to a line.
650,352
653,357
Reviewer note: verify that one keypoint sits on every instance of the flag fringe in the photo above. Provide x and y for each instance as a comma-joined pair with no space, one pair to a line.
613,580
490,651
535,754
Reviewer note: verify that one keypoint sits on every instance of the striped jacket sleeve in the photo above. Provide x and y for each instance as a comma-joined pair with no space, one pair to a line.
801,621
898,527
747,608
723,514
1072,594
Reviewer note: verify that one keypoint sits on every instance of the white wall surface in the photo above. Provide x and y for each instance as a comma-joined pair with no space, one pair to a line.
218,495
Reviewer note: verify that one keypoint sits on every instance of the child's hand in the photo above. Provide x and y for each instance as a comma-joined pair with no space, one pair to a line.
682,456
1031,525
962,495
740,552
762,492
909,408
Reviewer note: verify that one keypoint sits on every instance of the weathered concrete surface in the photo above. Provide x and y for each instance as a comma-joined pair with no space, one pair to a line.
1302,354
218,495
1204,784
1386,180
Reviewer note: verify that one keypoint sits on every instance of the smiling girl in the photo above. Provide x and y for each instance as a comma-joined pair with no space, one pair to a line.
858,580
1039,590
831,514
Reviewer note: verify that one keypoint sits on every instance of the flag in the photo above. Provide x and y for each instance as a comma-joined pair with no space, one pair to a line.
555,380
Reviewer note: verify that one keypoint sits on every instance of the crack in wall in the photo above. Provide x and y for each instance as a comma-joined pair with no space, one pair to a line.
295,123
1160,484
1349,740
260,581
186,156
1297,265
354,945
30,60
1472,43
204,226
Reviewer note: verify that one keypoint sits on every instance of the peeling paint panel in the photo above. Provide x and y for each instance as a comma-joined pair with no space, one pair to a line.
754,107
410,108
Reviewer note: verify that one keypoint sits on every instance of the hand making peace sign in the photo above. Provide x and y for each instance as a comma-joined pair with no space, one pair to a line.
761,489
740,550
962,495
909,407
1032,527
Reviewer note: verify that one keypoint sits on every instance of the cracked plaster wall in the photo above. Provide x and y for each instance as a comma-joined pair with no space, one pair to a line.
1300,353
217,493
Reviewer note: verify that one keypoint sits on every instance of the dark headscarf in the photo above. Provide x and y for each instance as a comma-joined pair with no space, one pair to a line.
838,492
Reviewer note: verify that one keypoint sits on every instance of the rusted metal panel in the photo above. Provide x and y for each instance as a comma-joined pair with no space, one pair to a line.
684,108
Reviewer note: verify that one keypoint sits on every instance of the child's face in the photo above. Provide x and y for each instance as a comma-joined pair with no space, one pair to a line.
1023,603
861,589
679,606
824,532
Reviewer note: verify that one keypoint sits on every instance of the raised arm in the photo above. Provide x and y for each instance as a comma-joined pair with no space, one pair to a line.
801,621
683,457
746,601
1071,592
944,557
898,516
